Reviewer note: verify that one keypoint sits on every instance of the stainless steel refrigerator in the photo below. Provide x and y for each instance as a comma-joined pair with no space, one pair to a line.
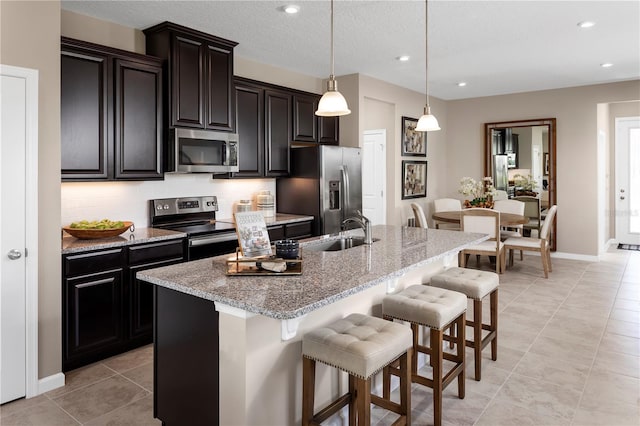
325,182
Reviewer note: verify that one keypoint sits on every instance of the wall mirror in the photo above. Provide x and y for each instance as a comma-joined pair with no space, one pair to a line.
526,148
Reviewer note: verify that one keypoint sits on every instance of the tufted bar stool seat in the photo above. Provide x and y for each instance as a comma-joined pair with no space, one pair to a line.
476,285
439,310
362,346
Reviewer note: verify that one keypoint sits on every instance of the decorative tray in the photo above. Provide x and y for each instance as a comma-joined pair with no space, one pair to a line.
253,266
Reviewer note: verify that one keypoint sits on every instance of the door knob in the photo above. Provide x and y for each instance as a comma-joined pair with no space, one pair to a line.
14,254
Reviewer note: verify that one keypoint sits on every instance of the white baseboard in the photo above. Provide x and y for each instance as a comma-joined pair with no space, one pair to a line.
50,383
574,256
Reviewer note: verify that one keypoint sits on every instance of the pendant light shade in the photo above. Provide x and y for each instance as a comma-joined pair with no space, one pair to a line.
428,121
332,103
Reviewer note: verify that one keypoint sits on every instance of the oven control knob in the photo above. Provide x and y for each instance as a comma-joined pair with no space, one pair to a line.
159,207
166,207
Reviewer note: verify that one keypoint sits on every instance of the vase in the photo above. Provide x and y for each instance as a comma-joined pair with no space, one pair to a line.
479,203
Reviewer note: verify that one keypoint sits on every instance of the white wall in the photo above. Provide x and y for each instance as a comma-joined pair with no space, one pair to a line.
577,181
30,37
363,93
129,200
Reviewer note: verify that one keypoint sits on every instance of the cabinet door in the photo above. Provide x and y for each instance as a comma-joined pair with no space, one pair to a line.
92,317
276,232
187,83
305,127
277,132
141,304
140,293
138,120
84,119
299,230
219,92
249,124
329,130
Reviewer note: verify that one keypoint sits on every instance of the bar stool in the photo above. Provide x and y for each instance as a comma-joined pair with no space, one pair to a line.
438,309
476,285
360,345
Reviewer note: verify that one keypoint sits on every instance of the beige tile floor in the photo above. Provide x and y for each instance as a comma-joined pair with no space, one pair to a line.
569,354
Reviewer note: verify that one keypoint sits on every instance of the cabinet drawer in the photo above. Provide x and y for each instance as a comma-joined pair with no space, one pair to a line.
155,252
276,232
88,263
299,230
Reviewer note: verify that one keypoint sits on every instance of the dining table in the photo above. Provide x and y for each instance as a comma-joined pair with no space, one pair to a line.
506,219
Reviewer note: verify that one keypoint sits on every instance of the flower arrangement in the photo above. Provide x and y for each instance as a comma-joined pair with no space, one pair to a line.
482,191
525,185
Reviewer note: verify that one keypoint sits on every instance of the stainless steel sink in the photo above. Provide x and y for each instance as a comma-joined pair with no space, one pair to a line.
339,244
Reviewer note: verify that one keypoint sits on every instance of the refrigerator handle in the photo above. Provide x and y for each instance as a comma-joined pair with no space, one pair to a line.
346,192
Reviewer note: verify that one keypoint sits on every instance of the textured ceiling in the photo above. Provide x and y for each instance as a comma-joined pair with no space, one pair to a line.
496,47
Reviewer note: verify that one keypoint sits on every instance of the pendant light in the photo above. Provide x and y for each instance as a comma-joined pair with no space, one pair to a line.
332,103
427,122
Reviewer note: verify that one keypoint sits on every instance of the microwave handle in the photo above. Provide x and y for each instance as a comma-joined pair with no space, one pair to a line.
225,154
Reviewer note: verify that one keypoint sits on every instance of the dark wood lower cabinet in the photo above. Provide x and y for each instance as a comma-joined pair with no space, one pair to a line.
94,317
105,309
186,375
293,231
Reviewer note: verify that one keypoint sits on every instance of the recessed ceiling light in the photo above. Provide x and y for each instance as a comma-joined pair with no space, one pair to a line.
403,58
606,65
586,24
291,9
462,84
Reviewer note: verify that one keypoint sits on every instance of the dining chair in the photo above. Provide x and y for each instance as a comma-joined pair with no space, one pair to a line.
447,205
484,221
418,213
500,195
515,207
532,211
540,244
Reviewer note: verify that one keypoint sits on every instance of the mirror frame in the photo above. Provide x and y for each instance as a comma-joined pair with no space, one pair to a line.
551,124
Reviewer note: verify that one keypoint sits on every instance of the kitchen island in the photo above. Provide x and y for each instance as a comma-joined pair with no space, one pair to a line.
228,348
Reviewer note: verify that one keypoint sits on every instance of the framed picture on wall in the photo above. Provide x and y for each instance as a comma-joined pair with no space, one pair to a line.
413,143
546,163
414,179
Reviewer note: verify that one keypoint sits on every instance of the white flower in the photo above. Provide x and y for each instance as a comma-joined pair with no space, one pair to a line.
481,189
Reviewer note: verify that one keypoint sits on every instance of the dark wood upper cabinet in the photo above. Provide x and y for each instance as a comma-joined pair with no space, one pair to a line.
187,85
84,115
277,132
250,129
138,121
329,130
200,77
111,109
305,127
219,84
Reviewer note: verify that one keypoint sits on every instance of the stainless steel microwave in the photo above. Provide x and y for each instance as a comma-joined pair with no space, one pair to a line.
202,151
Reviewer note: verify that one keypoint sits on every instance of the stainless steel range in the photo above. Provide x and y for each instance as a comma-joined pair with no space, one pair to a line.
196,217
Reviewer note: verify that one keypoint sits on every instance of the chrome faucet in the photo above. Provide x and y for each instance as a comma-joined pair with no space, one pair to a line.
364,223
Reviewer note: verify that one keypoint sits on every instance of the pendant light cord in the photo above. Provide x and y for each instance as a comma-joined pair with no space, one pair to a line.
426,49
332,54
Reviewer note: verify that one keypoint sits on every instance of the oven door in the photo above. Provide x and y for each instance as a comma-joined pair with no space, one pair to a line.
211,245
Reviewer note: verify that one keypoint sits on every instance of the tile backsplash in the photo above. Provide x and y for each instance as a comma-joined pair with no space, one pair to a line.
130,200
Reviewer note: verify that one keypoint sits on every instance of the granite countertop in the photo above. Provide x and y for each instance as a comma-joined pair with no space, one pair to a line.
326,276
140,235
146,235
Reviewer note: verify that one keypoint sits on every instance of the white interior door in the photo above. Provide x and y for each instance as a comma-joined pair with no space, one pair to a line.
18,129
374,177
628,180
